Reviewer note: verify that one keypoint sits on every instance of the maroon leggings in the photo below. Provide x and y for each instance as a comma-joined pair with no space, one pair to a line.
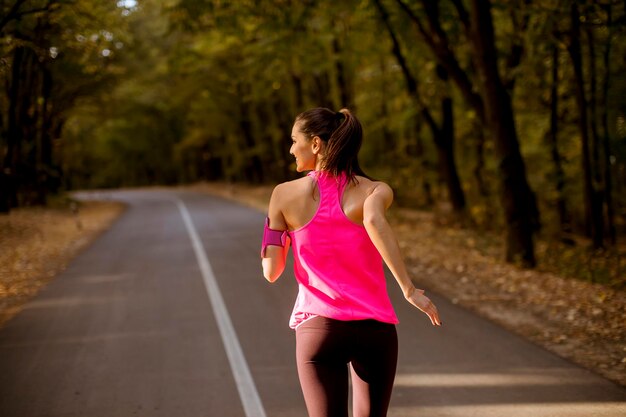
324,347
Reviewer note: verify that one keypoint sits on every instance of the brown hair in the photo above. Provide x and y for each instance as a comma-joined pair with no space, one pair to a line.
342,134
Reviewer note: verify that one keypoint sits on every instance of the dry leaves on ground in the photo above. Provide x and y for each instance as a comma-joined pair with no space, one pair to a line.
37,243
578,320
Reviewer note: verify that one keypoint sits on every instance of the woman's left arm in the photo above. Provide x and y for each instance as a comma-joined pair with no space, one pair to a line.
383,237
275,257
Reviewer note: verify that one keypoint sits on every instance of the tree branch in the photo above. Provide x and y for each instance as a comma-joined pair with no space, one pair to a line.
15,14
411,82
420,27
514,57
11,14
463,15
441,49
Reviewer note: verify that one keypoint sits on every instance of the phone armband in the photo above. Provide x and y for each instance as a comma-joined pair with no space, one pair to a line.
272,237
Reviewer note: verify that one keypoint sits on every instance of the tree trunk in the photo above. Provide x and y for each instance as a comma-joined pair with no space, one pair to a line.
593,113
345,92
518,200
390,144
299,93
447,164
322,93
43,157
264,141
575,51
8,193
479,166
598,199
285,123
425,166
445,150
26,129
253,165
559,175
608,181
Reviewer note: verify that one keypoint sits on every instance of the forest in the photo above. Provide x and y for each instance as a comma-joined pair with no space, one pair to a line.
503,115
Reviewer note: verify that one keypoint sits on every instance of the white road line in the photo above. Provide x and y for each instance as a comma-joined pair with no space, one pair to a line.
245,384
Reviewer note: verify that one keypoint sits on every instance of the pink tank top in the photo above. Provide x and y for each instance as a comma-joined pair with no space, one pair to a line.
339,270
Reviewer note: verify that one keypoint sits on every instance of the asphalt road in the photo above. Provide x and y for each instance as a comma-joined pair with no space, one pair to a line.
167,314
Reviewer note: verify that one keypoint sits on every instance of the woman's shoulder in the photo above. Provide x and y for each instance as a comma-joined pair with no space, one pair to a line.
369,186
289,185
288,188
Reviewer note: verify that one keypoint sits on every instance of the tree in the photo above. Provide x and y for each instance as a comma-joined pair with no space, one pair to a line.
52,63
443,133
493,105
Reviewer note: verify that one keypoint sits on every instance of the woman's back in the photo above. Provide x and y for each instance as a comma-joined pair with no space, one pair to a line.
299,200
339,269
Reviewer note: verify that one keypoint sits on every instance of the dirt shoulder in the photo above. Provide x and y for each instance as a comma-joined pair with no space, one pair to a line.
37,243
577,320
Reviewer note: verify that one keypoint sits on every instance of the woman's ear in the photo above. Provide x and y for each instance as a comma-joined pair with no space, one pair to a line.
317,144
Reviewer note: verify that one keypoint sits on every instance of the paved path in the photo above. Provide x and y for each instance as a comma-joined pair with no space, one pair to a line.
130,329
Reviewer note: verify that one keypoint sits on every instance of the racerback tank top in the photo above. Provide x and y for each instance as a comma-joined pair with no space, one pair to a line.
339,270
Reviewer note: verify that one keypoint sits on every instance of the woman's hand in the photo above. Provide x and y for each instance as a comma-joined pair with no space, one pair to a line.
419,300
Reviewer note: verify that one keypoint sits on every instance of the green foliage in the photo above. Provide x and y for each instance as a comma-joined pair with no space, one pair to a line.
170,91
53,53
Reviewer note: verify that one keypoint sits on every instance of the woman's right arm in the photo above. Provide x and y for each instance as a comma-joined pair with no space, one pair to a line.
275,257
383,238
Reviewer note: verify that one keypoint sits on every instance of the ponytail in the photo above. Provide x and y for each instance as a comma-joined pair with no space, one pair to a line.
342,133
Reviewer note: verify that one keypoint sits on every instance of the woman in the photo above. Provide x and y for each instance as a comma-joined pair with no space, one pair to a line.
335,220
